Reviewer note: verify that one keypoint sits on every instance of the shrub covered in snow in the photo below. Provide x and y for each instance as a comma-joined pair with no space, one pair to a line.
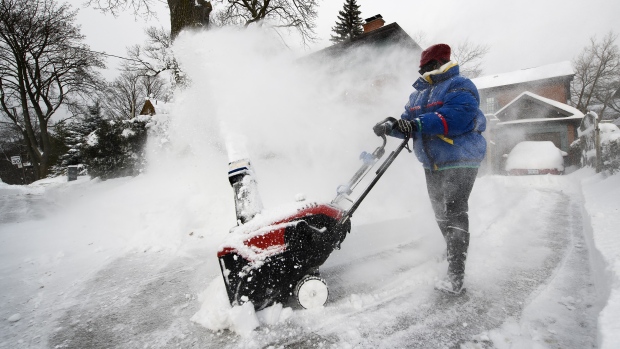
116,148
609,140
610,149
75,136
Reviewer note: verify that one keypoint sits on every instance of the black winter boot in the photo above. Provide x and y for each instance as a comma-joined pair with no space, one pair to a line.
457,242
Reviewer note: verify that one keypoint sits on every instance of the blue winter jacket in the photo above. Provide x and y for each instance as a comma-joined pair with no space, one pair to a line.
445,107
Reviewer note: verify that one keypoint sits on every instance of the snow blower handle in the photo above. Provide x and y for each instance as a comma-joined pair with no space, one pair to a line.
368,160
384,166
384,127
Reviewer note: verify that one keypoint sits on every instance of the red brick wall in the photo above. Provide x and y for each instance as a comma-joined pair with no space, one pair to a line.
555,90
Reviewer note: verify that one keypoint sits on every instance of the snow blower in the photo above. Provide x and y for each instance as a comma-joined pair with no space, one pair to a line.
268,258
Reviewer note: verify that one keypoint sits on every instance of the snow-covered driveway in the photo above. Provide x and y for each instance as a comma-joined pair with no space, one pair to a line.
528,279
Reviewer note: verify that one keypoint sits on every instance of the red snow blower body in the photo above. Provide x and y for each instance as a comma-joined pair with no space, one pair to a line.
268,259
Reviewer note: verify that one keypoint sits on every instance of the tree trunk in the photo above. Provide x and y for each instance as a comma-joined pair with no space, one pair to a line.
188,13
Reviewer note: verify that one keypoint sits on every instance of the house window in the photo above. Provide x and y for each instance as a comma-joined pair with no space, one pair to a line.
491,105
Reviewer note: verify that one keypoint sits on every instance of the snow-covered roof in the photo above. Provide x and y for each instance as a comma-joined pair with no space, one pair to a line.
160,107
574,112
525,75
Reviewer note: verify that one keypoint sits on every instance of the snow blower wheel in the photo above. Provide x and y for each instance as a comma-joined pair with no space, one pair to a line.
311,292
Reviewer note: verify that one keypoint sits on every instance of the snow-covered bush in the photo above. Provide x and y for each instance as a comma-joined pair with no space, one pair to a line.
611,154
609,140
116,148
73,134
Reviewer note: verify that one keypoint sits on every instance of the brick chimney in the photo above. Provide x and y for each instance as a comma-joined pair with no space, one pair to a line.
372,23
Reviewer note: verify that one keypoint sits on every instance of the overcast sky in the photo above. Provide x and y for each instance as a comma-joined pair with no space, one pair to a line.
520,34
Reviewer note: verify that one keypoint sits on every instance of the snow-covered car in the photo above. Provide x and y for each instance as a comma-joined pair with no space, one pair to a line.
535,158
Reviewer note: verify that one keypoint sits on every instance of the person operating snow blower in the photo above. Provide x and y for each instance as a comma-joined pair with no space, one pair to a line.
445,122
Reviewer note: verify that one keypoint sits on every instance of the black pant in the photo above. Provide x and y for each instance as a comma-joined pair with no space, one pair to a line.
449,191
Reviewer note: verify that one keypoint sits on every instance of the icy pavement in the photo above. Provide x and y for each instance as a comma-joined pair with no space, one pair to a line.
18,206
529,285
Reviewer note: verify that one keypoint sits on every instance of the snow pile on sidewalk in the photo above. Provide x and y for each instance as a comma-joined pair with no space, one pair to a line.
216,314
602,203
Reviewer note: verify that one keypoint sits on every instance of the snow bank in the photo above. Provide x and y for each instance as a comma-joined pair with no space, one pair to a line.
216,314
602,197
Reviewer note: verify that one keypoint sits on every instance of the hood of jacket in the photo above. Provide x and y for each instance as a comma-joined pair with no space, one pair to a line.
438,75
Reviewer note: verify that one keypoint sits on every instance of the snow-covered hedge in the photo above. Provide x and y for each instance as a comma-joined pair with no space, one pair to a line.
611,154
610,146
116,148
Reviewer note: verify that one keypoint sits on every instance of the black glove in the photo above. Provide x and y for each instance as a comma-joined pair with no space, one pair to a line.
384,127
406,127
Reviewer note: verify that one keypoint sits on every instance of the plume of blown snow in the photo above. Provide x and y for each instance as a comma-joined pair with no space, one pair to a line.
303,120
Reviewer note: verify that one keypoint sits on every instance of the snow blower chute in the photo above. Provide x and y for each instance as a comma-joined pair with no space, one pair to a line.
268,259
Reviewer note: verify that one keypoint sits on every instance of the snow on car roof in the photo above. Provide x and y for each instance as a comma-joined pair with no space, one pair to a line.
531,155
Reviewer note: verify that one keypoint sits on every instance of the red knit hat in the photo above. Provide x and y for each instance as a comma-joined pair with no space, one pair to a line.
439,52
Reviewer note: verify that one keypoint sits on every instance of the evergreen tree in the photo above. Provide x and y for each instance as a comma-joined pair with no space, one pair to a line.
349,24
107,148
73,135
116,148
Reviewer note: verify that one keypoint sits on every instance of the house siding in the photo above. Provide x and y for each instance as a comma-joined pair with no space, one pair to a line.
556,89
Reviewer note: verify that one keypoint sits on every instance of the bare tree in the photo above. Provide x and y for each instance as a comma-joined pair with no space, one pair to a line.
470,56
608,98
188,13
122,96
614,102
183,13
154,87
299,15
43,63
293,14
125,96
155,56
597,75
420,38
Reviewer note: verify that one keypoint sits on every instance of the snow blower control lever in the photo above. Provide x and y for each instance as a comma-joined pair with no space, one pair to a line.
369,160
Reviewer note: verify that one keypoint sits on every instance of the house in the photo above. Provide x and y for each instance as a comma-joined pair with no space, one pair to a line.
528,105
531,117
150,106
376,34
372,63
551,81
